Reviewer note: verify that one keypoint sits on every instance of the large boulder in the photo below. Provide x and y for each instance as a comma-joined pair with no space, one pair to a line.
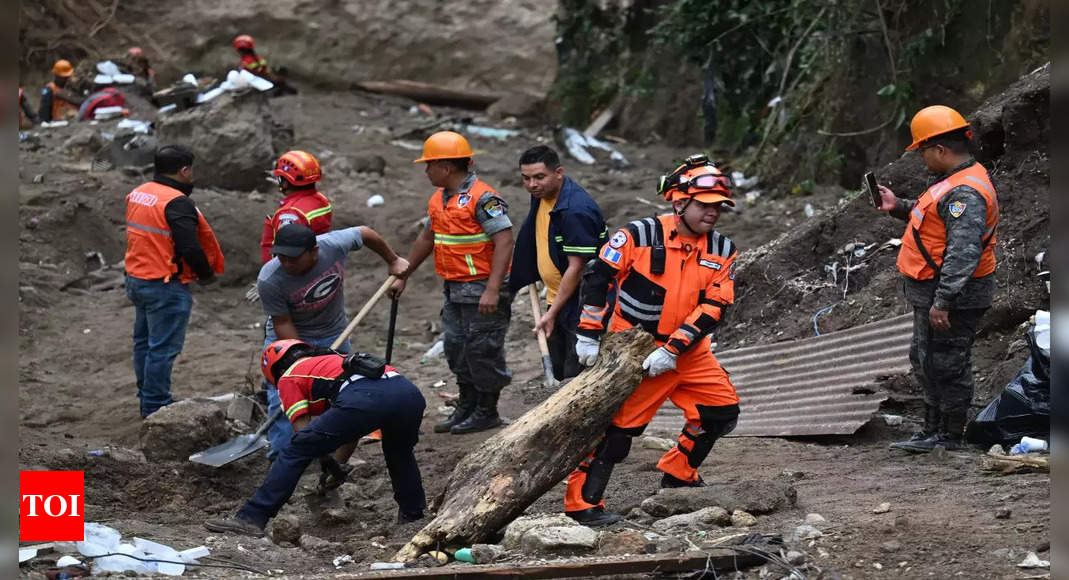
178,430
235,140
755,497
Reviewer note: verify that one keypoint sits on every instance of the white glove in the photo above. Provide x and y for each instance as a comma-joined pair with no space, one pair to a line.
658,362
586,349
252,295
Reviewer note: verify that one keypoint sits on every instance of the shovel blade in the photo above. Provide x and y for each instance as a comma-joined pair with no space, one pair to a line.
230,451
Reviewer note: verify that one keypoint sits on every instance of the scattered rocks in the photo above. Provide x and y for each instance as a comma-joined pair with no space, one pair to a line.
1004,553
1003,513
84,143
882,508
178,430
795,557
801,533
625,542
241,408
370,163
701,518
659,443
520,526
742,519
318,545
891,546
815,519
559,539
285,529
487,553
756,497
639,516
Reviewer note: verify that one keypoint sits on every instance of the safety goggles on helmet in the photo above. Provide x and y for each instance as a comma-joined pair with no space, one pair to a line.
696,176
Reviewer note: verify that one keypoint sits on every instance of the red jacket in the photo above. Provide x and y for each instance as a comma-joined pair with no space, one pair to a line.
307,207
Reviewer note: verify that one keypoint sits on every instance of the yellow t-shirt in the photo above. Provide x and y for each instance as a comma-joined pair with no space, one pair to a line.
547,271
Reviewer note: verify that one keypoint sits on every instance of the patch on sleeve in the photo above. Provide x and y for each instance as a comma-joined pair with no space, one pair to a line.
611,256
463,199
494,207
956,208
618,239
731,271
286,219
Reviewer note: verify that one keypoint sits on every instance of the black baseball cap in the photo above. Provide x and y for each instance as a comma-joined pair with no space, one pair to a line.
292,240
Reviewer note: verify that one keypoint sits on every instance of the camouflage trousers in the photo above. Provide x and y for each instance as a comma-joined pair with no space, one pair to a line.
942,359
475,345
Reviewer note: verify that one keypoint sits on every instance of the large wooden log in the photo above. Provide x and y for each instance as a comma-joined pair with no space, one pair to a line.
493,484
432,94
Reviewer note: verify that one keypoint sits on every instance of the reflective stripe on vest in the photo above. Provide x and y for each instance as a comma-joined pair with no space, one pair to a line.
924,241
462,250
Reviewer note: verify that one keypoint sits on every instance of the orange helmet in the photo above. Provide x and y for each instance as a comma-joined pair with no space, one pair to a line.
299,168
933,121
445,145
135,51
244,41
697,178
274,353
62,68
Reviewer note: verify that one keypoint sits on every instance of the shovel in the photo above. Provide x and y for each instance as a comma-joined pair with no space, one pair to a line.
543,346
376,435
243,445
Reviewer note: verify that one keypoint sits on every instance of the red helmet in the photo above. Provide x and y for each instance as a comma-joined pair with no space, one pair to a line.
135,51
299,168
274,353
696,179
244,41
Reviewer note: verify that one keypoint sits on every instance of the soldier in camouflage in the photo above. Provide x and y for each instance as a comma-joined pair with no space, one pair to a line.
948,262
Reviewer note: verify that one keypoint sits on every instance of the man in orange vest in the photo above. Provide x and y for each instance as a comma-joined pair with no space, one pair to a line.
168,245
674,276
59,100
470,234
948,260
297,173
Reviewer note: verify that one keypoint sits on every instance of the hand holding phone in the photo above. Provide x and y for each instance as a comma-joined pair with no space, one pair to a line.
869,183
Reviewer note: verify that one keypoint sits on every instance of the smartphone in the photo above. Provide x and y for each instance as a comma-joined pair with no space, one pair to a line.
874,191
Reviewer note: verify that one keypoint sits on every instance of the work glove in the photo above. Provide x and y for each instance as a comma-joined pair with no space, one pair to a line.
333,475
586,349
658,362
252,294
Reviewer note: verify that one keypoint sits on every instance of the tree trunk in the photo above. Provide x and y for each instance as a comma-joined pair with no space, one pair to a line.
432,94
495,483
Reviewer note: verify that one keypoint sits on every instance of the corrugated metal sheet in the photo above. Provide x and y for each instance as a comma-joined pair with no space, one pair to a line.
822,385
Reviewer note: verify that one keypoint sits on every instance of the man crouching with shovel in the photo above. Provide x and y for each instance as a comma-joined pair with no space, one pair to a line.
333,399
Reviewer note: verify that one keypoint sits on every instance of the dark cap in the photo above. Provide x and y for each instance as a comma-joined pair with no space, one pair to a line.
292,240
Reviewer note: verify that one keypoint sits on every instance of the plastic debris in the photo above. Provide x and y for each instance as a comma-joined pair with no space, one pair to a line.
167,108
205,97
26,554
464,555
1028,445
342,560
123,78
107,67
438,384
491,132
387,566
102,80
375,200
809,211
100,540
892,420
434,351
1032,561
68,561
105,113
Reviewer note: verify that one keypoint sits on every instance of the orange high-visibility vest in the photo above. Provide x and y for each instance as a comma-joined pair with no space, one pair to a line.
61,108
923,243
462,250
149,247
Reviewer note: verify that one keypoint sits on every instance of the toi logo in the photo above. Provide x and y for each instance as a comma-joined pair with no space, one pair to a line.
51,506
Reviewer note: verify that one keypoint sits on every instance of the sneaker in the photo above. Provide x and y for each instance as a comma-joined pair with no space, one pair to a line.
595,517
234,525
670,481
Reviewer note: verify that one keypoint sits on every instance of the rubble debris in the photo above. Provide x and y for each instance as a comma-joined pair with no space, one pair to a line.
178,430
882,508
625,542
285,529
755,496
742,519
702,518
519,527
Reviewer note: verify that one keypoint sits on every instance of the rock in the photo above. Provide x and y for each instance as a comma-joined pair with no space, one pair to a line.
891,546
1004,553
233,138
285,528
795,557
742,519
318,545
801,533
756,497
178,430
427,561
487,553
882,508
369,163
559,539
639,516
518,105
892,420
335,516
625,542
1003,513
702,518
84,143
520,526
815,519
241,408
659,443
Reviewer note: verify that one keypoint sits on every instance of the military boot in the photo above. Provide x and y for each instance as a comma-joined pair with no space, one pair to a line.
482,418
669,481
465,404
948,436
932,424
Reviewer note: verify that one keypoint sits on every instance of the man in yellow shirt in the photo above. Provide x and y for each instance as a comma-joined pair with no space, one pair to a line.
563,231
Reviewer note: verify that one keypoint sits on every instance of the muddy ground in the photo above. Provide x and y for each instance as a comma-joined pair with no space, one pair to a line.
77,390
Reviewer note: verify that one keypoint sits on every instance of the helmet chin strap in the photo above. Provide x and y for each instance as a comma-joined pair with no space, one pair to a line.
681,214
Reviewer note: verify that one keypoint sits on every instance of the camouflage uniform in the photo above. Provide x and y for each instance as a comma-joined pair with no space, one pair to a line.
942,359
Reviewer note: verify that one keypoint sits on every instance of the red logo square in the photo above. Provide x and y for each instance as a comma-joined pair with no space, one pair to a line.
51,506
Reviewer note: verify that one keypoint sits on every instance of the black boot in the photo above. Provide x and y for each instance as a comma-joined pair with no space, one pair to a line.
932,425
482,418
669,481
595,517
465,405
948,436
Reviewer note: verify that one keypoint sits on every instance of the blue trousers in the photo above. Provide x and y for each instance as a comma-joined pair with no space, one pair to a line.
161,315
280,432
394,405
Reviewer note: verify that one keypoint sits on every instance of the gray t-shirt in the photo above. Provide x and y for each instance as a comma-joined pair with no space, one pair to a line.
315,300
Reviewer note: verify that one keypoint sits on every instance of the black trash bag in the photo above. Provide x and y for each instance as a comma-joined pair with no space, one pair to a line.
1023,408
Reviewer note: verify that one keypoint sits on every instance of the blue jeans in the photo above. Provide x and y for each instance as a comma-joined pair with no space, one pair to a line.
161,314
393,404
281,431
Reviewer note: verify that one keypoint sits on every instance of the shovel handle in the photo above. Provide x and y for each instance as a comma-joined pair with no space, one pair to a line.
363,312
536,310
267,423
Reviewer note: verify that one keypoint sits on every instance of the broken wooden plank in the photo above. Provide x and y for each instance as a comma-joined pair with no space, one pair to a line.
495,483
432,94
719,560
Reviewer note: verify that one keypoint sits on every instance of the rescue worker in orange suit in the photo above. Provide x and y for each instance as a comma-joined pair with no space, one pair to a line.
332,400
674,276
470,234
297,173
60,98
138,65
27,118
168,245
947,259
257,65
